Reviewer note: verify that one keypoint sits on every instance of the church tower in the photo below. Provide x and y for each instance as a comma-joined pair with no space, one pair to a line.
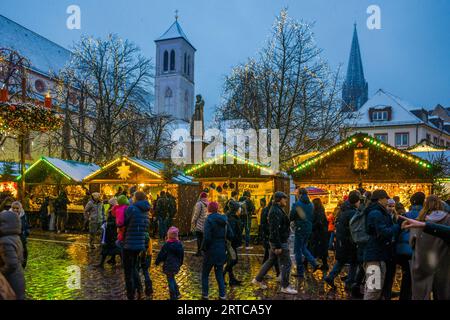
174,78
355,89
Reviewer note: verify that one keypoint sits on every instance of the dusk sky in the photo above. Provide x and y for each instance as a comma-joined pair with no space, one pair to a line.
409,56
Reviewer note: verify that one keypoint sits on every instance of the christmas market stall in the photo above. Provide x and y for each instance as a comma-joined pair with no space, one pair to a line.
149,176
9,171
219,179
47,177
365,163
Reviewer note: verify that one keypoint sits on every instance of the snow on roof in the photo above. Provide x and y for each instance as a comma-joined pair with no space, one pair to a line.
74,169
45,56
158,167
174,32
401,111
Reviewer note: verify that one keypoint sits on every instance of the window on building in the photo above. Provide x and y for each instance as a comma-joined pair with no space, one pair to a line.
436,140
185,63
448,144
442,142
168,100
382,137
186,103
402,139
189,65
166,61
428,137
172,60
379,116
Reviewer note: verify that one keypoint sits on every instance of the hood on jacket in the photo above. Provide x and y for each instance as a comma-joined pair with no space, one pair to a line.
218,218
9,224
143,205
304,198
436,216
233,207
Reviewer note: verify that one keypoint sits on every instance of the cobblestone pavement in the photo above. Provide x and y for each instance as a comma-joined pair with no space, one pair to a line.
50,255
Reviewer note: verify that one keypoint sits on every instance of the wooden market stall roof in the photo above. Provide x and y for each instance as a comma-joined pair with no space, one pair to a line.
363,158
135,170
429,151
218,167
53,170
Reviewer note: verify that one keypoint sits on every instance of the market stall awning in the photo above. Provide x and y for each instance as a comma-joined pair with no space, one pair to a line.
362,158
135,171
313,191
57,171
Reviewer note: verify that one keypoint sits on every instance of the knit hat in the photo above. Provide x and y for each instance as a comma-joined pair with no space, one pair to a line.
172,233
213,207
203,195
279,195
96,195
391,202
123,200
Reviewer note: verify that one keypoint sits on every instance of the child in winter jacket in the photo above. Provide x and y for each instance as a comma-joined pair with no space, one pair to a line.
172,254
119,212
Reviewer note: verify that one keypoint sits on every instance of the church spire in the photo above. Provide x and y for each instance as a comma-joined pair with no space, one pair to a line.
355,89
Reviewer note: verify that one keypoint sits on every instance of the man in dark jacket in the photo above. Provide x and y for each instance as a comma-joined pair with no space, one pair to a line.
248,210
234,223
302,216
214,247
11,252
380,246
345,247
265,234
162,213
172,210
137,223
61,203
279,248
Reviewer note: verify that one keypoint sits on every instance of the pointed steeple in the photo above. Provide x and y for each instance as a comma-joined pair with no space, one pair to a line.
355,89
174,32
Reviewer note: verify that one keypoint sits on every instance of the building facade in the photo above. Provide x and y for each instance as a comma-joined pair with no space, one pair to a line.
174,78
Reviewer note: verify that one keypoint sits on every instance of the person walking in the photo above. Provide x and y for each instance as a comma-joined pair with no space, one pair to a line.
199,216
279,249
301,216
60,205
430,262
234,223
319,238
346,252
214,247
378,250
145,261
11,252
331,218
403,250
119,212
17,208
137,225
265,235
162,213
109,237
94,211
172,255
43,214
172,209
248,211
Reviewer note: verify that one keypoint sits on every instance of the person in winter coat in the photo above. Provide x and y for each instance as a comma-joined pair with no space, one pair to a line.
145,262
379,249
17,208
172,209
137,225
162,211
234,223
94,211
6,292
43,214
403,251
214,248
279,229
302,216
248,211
319,237
60,205
11,252
172,255
119,212
345,247
331,217
109,237
430,262
198,220
265,234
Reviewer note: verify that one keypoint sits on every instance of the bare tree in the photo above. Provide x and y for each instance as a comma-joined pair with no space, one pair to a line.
111,80
288,86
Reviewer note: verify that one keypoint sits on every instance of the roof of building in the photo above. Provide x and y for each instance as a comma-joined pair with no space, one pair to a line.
403,113
174,32
158,167
45,56
73,170
355,71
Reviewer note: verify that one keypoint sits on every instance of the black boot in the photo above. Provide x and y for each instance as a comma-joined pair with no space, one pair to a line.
233,280
101,265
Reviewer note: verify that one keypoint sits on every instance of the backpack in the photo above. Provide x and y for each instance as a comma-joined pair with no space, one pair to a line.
358,228
243,205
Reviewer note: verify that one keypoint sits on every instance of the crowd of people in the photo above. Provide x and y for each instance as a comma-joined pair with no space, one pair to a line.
369,235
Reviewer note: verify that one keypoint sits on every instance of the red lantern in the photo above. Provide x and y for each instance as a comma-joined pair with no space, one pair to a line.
48,101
